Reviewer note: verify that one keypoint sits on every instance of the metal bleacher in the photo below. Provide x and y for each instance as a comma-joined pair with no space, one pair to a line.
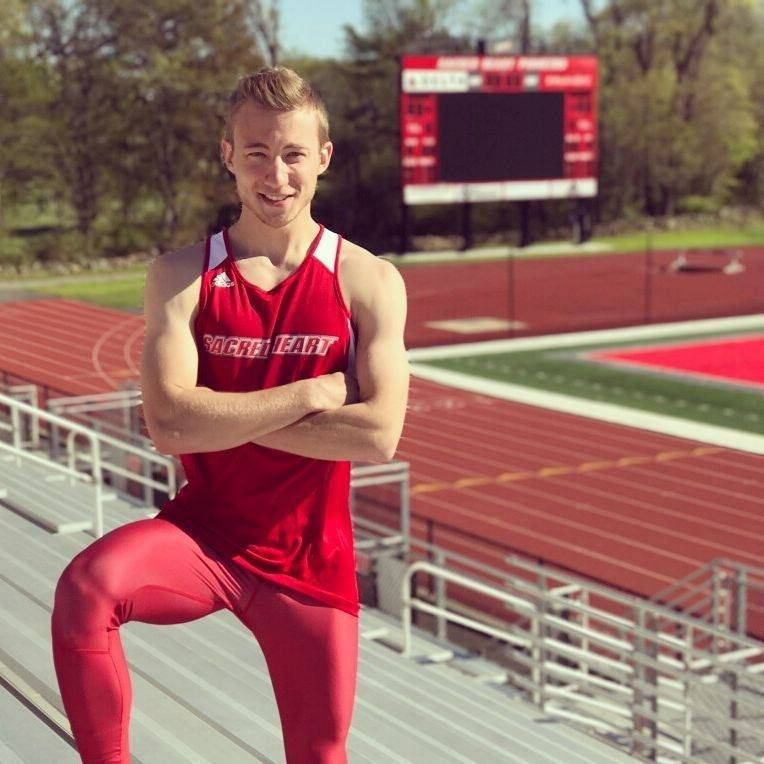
202,691
579,673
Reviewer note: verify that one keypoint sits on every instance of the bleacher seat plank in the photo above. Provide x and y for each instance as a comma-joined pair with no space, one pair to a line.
58,505
24,738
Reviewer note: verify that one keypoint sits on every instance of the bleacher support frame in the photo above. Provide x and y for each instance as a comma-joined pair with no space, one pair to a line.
659,683
376,538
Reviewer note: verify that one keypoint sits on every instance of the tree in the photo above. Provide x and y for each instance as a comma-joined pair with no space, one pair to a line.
75,43
177,59
362,192
501,20
25,159
137,108
266,21
676,109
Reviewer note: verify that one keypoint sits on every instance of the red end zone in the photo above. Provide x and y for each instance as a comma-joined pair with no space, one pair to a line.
739,360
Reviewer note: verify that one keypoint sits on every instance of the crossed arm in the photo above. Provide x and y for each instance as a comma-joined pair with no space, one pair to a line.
323,417
370,428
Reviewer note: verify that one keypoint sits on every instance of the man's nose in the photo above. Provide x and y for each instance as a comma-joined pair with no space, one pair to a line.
278,173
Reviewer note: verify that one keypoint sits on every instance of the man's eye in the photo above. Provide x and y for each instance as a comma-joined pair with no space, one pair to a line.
295,156
255,154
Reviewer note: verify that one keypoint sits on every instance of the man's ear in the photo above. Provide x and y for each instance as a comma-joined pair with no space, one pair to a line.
325,156
226,154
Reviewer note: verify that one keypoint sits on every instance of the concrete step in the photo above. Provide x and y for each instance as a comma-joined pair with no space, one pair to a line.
426,648
166,728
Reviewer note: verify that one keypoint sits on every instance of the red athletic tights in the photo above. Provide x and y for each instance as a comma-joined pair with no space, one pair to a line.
154,572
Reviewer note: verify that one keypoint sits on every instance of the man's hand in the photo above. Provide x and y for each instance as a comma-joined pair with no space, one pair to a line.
330,391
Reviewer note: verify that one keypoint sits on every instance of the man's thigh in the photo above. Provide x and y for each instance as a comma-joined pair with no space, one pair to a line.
151,570
312,655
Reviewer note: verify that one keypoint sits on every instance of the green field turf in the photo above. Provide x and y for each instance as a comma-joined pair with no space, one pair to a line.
561,371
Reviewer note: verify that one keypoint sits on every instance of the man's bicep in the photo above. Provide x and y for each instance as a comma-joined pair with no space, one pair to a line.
169,362
169,358
381,363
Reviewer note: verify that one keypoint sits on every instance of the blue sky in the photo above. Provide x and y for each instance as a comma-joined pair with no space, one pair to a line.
316,26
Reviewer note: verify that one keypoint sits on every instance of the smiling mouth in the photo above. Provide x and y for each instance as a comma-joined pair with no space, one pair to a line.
275,199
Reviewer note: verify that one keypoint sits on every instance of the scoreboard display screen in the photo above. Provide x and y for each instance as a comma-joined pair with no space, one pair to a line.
490,128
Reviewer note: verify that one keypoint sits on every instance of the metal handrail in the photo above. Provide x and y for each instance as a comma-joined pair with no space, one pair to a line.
410,603
364,475
75,404
641,687
18,407
93,456
144,454
718,591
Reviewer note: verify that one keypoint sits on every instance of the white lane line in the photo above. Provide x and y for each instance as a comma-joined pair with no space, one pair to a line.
708,480
112,331
677,498
606,412
629,438
572,339
567,436
135,335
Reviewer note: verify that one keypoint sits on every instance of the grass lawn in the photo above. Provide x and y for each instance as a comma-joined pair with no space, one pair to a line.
702,239
564,372
124,291
636,241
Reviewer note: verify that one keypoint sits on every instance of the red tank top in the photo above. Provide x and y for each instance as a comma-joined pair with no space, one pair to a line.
284,517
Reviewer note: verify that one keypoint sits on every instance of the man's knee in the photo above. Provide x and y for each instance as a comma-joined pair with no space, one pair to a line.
84,604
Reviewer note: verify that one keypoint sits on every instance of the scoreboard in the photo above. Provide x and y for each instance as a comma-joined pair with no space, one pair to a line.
489,128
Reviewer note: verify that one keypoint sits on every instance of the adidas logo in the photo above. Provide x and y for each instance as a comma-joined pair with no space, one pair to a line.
222,280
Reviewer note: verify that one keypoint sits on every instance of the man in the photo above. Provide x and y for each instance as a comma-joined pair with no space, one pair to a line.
273,355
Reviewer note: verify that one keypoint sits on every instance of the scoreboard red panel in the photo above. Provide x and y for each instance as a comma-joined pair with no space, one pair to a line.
487,128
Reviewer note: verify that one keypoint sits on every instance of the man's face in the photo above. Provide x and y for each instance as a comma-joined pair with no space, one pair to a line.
276,158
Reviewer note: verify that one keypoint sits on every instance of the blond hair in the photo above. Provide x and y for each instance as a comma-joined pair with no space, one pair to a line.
280,89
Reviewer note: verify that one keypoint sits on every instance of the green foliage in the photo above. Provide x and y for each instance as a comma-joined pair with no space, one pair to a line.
112,111
694,203
678,102
122,103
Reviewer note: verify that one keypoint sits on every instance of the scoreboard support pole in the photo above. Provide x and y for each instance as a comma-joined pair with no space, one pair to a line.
403,238
581,222
468,240
525,223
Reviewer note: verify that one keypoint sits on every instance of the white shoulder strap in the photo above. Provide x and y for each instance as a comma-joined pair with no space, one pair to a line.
326,251
218,252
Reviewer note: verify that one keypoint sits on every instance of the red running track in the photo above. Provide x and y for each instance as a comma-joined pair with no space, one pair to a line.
627,507
69,347
563,294
635,509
